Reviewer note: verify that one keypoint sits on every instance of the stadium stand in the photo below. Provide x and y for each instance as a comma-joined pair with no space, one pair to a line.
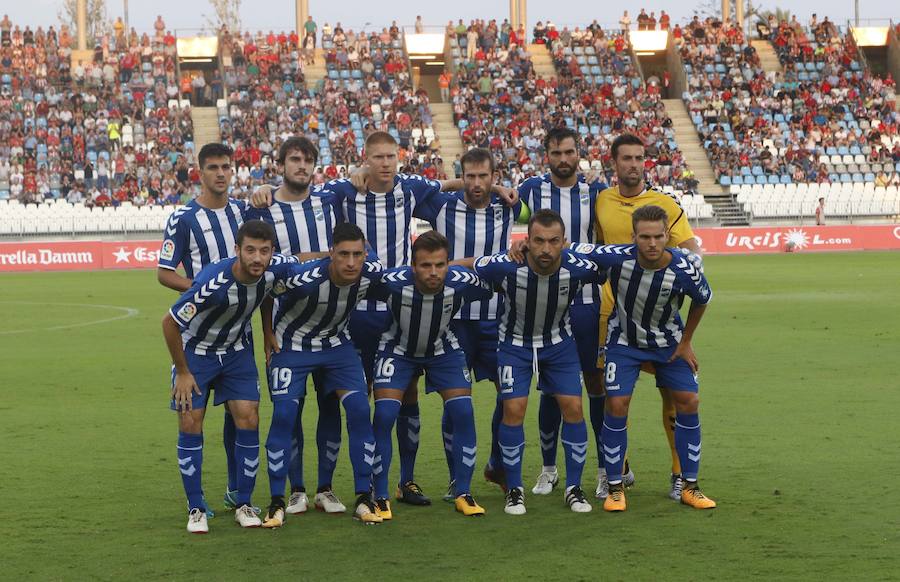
112,129
106,146
824,120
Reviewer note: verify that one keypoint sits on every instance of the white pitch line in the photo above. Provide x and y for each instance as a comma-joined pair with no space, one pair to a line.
128,312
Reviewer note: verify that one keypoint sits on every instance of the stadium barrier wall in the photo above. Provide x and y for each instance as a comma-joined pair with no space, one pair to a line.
96,255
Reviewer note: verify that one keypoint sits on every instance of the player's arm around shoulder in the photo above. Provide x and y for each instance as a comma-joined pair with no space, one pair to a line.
474,287
604,256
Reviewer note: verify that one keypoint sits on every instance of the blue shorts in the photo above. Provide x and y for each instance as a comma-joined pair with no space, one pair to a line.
366,329
586,329
231,376
623,366
333,369
478,340
557,366
448,370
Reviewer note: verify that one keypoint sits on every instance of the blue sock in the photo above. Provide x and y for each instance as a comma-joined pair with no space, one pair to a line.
615,445
512,448
190,464
496,419
575,441
447,434
549,418
386,411
295,468
328,437
361,437
460,410
595,405
246,453
408,440
278,444
687,443
228,436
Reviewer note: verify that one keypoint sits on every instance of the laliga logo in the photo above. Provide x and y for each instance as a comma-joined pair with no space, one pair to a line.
897,232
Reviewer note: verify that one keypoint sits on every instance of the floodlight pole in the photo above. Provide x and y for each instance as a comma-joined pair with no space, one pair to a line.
302,14
81,23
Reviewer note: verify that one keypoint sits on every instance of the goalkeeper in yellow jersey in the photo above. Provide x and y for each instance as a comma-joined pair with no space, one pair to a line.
614,207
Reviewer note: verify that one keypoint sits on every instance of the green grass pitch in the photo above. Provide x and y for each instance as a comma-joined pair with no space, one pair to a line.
800,409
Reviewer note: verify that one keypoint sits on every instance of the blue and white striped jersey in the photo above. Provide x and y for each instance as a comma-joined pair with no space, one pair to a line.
473,232
576,205
421,326
645,314
312,312
385,217
196,236
536,307
301,227
214,314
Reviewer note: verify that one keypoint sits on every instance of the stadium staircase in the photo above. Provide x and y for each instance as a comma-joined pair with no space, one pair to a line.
447,134
315,73
541,60
767,57
689,143
206,126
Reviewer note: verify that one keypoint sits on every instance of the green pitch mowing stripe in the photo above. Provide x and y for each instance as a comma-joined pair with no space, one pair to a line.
798,359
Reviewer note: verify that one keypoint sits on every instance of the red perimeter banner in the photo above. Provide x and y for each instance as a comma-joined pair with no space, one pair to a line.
92,255
779,239
78,255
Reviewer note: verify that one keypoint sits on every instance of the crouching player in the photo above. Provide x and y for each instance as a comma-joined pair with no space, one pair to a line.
308,335
422,300
207,332
647,279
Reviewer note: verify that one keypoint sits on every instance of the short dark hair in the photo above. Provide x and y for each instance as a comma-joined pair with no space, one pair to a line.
213,150
297,143
346,231
256,229
649,213
558,134
546,217
625,139
429,242
477,156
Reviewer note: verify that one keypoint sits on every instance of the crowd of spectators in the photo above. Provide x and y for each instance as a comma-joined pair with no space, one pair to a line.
824,119
102,131
603,94
501,104
367,88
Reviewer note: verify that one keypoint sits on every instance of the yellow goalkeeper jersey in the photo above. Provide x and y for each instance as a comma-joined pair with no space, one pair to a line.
613,216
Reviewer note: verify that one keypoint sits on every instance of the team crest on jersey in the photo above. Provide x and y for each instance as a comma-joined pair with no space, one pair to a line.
664,292
448,307
467,375
168,251
498,214
585,197
319,214
564,289
584,248
187,311
399,203
280,287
